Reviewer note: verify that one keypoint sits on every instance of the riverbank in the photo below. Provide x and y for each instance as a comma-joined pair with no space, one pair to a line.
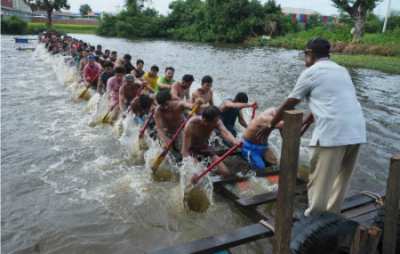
66,28
375,51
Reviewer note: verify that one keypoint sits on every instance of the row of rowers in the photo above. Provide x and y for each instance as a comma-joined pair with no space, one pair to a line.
131,90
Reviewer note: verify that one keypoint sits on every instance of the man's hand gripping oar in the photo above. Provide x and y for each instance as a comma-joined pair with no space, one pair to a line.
195,179
160,158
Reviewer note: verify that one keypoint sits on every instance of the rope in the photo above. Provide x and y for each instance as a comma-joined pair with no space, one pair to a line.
378,198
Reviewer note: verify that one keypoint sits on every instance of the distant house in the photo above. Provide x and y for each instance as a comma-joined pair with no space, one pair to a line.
16,8
299,15
65,17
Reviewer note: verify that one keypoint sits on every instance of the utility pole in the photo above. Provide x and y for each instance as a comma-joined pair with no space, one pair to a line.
386,16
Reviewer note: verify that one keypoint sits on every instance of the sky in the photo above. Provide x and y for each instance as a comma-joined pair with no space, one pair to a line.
324,7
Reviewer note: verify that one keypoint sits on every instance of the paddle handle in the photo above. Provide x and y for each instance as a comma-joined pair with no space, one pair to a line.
146,124
253,114
307,123
196,178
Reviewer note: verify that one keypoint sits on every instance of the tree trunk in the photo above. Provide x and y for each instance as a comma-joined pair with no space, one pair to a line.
49,18
360,17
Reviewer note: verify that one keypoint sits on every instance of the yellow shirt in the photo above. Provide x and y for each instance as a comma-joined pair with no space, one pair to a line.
152,81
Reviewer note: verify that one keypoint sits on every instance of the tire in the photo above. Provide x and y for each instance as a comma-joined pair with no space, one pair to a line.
326,233
378,221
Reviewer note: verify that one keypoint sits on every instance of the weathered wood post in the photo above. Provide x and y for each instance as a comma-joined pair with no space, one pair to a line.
287,180
392,206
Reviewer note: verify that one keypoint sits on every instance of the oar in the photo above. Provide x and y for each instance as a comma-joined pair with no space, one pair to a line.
84,92
215,163
307,123
108,113
156,164
253,115
146,124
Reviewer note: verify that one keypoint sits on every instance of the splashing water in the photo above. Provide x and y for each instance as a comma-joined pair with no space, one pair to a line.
196,198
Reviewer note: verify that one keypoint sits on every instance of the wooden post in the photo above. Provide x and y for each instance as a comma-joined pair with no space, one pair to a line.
392,206
287,180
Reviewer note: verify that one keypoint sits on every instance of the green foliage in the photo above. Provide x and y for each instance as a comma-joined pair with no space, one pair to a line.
381,63
394,21
13,25
84,9
35,28
197,20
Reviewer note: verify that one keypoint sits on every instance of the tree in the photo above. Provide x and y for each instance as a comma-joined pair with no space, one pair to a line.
49,6
358,11
84,9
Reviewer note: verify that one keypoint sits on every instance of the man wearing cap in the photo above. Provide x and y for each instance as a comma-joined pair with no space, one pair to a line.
181,90
128,91
91,72
339,126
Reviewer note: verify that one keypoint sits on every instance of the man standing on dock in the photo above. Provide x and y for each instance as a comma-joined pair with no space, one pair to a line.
339,129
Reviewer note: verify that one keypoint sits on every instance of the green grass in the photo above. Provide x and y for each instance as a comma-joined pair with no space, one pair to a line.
67,28
389,64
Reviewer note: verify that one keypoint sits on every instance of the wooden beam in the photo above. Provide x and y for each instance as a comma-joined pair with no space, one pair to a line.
392,207
222,242
293,120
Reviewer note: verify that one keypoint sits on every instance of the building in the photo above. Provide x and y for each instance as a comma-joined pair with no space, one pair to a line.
299,15
16,8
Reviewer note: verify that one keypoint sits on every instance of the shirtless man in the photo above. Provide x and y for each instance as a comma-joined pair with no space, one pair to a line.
128,92
113,86
138,72
204,92
83,61
257,153
180,90
107,73
197,132
140,107
168,116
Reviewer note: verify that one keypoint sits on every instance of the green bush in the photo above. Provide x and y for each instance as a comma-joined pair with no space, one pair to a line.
13,25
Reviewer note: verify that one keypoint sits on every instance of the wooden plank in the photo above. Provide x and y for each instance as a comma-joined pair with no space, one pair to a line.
287,180
264,198
355,201
221,242
258,199
392,207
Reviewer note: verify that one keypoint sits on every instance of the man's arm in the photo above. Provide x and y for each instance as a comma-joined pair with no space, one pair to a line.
241,120
99,84
187,140
226,135
121,98
174,92
212,98
160,128
239,105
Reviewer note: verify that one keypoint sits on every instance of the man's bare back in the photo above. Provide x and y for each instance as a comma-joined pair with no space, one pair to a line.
260,122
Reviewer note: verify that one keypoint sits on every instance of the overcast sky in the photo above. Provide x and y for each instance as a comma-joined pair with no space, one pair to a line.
322,6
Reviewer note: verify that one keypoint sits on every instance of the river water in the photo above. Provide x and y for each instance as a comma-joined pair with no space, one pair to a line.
66,188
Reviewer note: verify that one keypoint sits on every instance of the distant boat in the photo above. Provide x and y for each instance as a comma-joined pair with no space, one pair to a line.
23,40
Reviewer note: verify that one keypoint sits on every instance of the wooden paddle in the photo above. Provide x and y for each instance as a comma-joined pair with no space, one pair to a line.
215,163
105,118
253,115
83,92
160,158
142,145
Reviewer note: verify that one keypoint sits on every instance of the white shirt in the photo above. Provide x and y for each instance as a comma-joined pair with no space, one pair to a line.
332,99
